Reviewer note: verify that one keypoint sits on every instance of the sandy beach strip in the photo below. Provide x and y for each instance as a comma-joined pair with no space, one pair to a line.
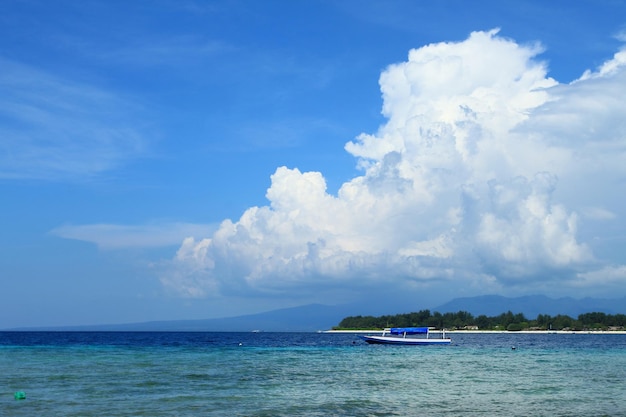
492,331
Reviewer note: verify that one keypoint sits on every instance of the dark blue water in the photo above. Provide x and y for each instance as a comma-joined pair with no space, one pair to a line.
309,374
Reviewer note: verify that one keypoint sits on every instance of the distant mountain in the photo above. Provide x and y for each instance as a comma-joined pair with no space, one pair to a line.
314,317
532,305
306,318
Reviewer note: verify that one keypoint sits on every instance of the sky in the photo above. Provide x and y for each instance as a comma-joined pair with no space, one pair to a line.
165,160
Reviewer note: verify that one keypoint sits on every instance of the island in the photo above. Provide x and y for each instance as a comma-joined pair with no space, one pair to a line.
465,321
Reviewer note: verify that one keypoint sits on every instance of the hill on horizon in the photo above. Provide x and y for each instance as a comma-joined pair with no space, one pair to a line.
532,305
316,317
307,318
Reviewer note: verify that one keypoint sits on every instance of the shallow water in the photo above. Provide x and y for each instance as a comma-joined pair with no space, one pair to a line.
309,374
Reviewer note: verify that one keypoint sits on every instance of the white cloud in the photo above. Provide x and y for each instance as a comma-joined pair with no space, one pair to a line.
608,68
460,185
609,275
523,233
113,236
598,213
54,128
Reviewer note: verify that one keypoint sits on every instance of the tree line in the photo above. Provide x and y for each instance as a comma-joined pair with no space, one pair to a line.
504,321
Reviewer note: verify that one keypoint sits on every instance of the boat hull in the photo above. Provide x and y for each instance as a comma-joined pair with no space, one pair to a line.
388,340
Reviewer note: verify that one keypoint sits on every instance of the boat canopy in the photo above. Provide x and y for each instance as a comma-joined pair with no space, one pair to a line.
409,330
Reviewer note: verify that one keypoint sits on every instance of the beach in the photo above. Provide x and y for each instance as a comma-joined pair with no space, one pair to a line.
580,332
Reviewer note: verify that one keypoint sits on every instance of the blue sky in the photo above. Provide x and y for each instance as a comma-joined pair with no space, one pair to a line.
196,159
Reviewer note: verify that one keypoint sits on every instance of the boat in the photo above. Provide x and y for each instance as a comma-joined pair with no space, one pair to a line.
398,336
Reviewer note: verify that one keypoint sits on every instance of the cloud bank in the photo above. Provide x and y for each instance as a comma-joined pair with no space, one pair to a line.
115,236
480,178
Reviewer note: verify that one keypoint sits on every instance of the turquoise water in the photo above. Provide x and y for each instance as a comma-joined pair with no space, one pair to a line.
309,374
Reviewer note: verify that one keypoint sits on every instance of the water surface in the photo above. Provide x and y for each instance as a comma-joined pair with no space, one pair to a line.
309,374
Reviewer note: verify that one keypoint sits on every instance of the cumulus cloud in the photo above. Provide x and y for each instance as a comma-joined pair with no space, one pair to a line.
607,276
476,178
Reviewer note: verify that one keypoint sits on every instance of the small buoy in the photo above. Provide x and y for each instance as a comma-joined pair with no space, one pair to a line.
240,344
20,395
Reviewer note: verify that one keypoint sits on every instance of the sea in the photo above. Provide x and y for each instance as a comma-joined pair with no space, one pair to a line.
309,374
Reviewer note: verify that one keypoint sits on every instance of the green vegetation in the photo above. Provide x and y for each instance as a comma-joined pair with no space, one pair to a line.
465,320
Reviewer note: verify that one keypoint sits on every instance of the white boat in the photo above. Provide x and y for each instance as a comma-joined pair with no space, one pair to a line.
417,336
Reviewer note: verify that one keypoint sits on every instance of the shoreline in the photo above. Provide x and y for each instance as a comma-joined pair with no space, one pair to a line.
622,332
